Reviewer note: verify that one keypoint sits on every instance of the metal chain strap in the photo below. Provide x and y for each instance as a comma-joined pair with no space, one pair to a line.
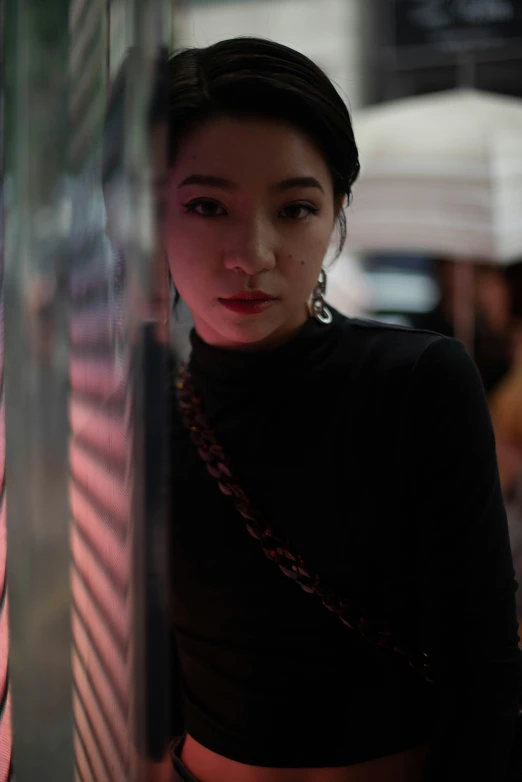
280,550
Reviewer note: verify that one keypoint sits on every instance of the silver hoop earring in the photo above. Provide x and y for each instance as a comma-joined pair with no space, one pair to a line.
317,307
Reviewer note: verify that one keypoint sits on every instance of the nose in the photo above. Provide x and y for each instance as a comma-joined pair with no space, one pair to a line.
251,249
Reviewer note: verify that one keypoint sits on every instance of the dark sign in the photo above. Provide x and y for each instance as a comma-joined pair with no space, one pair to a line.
449,25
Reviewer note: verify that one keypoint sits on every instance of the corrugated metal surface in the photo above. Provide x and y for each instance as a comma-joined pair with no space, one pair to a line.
101,490
115,373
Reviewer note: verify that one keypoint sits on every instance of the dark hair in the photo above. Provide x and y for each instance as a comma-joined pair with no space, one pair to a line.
244,76
250,76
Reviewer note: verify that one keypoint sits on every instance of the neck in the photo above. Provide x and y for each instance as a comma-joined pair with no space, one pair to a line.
275,339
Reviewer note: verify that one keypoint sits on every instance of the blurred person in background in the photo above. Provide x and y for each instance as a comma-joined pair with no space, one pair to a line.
506,413
359,456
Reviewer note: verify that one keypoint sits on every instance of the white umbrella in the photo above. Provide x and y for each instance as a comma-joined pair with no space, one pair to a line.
441,174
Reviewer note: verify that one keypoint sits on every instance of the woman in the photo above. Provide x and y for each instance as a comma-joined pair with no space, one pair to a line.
367,447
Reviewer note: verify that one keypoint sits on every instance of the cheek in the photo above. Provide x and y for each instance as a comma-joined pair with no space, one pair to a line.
191,252
303,258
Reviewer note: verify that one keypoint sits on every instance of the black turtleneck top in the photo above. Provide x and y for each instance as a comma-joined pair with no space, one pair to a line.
370,446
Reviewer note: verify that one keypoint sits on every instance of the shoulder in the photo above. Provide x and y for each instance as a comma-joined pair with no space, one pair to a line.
426,383
383,352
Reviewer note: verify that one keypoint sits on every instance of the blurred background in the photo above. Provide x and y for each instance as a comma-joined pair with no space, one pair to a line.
434,242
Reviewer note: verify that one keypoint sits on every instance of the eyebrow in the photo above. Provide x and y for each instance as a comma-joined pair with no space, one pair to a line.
226,184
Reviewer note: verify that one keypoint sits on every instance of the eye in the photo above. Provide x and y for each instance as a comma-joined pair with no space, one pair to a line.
205,207
299,211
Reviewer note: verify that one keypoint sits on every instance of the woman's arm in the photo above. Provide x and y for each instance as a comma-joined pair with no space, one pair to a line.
464,567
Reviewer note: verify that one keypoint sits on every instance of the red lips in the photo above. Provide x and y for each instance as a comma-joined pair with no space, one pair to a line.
248,302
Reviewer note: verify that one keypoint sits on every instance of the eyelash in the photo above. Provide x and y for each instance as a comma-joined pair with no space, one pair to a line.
191,209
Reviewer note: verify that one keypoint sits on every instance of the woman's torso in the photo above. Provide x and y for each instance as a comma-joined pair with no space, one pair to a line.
270,677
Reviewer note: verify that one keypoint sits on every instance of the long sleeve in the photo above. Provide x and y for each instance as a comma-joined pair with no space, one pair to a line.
465,576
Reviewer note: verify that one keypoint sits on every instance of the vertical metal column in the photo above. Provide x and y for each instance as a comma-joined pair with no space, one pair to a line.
5,694
35,378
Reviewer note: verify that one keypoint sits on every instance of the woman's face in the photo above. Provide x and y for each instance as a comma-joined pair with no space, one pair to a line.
248,207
